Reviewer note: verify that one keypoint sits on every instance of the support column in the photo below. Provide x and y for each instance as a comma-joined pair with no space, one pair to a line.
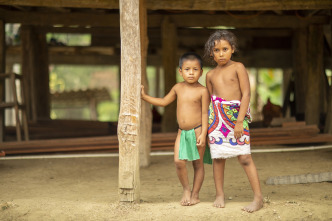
315,73
2,83
328,121
35,69
169,49
146,114
300,69
130,104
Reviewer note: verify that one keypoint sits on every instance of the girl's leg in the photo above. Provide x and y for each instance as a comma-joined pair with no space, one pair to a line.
182,173
198,166
218,174
251,171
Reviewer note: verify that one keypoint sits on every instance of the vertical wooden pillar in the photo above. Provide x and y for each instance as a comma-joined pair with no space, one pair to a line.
315,73
36,72
328,121
2,83
300,69
130,104
170,58
146,114
287,89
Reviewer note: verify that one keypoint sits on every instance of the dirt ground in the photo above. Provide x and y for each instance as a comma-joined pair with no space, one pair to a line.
87,189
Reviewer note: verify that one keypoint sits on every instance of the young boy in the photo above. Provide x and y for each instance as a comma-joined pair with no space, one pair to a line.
192,116
228,85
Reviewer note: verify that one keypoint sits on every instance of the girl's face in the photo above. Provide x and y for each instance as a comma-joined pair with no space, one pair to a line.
222,52
191,71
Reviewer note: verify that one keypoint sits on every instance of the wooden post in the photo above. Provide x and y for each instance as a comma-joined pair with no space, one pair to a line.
287,88
2,83
328,121
130,104
315,72
300,69
146,114
36,71
169,49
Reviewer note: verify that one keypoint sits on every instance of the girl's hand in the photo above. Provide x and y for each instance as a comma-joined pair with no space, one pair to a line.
238,130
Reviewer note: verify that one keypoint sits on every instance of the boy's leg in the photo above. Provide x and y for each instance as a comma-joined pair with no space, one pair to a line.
198,166
218,174
182,173
251,171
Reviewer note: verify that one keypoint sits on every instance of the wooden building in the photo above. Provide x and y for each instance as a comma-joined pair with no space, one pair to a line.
294,35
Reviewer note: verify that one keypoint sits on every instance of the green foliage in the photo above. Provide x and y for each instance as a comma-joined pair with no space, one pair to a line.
270,85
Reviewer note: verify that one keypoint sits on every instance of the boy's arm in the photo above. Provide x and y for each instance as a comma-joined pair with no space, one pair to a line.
205,111
245,100
169,98
205,106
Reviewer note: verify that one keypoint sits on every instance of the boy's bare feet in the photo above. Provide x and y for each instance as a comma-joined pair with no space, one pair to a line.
253,206
219,202
185,201
194,199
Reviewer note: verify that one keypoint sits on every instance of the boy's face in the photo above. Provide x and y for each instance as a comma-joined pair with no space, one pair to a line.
191,71
222,52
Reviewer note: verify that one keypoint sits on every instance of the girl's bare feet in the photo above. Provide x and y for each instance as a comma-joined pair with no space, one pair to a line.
194,199
254,206
219,202
185,201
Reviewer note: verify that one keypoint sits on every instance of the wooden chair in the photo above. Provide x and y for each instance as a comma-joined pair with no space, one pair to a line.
19,107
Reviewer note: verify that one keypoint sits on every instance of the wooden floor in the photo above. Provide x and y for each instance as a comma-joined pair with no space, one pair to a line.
290,133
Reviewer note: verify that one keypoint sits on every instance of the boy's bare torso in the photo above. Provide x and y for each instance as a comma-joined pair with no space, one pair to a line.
225,82
189,105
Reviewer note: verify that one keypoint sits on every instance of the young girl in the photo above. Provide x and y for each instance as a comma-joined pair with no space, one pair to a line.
228,132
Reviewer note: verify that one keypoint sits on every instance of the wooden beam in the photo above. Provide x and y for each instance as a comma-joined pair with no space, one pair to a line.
36,71
51,18
252,58
260,21
169,58
300,69
213,5
2,82
315,73
155,20
146,114
130,104
328,121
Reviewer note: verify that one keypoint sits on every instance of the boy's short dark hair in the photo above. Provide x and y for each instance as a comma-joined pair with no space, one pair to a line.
190,56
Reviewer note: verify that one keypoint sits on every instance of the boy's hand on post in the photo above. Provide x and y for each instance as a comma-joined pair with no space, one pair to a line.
238,130
142,91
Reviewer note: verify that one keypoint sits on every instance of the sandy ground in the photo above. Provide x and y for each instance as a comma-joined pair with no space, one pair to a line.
87,189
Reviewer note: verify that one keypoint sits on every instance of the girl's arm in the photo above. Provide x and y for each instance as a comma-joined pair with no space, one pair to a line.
208,83
169,98
245,100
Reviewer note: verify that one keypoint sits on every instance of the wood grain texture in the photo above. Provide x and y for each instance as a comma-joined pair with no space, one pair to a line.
130,104
155,20
245,5
2,70
146,114
315,75
170,58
